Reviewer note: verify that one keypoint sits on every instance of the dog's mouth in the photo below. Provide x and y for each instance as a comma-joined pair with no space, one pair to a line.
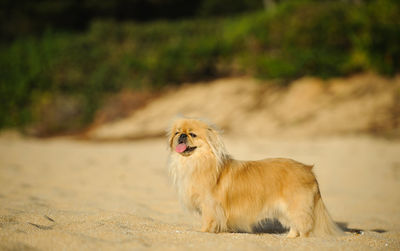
183,148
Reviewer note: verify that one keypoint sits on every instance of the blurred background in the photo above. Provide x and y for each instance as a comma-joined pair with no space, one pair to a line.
313,80
70,65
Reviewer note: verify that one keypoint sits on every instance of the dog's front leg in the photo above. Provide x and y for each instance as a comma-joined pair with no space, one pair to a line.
213,218
209,224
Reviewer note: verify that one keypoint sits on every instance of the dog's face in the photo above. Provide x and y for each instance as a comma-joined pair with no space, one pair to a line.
189,136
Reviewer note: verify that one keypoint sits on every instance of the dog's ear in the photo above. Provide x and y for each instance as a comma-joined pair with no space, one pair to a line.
217,145
170,134
171,129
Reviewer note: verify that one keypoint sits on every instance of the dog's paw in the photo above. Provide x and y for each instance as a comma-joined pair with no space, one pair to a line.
292,233
211,227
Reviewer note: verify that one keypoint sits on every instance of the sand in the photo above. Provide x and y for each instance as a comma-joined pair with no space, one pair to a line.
65,194
364,103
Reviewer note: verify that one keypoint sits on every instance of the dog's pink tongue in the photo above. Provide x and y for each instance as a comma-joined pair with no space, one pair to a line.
180,148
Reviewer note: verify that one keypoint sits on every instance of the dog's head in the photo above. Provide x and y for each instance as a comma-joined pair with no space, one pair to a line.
190,136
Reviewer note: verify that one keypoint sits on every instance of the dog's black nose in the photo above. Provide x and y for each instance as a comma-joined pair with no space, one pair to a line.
182,138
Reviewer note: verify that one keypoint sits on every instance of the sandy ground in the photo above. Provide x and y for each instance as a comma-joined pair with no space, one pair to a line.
64,194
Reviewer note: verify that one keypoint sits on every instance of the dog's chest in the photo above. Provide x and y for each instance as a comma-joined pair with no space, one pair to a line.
194,178
192,187
191,197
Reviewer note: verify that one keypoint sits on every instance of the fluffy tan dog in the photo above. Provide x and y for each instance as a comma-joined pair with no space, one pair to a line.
233,195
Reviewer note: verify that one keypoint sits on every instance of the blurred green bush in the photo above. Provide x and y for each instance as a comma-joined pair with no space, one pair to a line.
297,38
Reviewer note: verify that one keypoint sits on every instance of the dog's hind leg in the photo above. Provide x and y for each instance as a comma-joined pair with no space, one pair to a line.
300,216
301,223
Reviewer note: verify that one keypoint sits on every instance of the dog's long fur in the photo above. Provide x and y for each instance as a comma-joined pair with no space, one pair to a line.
233,195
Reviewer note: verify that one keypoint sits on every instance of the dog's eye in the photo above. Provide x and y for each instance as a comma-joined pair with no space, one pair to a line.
176,133
193,135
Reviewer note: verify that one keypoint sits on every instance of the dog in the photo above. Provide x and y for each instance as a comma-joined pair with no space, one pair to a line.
233,195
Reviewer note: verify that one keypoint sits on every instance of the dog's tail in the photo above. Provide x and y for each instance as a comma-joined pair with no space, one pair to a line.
323,223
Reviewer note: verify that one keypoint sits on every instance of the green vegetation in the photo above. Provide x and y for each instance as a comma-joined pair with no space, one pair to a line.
67,75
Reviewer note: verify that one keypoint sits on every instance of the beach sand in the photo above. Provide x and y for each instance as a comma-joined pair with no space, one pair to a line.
66,194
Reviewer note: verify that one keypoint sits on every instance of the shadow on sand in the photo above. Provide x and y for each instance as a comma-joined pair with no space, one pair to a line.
271,226
344,227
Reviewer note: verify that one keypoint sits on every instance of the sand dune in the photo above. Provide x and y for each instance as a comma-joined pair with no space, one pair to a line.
63,194
243,106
